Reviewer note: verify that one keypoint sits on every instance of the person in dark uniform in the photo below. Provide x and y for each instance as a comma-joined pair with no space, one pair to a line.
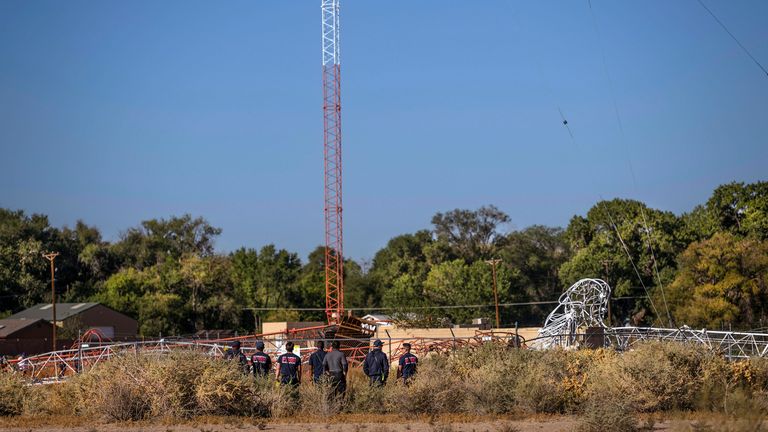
289,367
316,361
336,366
261,362
234,353
376,365
407,365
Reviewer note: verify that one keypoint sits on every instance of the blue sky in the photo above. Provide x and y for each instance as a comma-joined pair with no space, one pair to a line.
115,112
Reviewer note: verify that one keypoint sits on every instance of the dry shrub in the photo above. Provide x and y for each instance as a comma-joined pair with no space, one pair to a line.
655,376
180,384
489,385
665,375
117,390
433,390
12,394
222,389
317,399
608,415
540,388
490,379
362,398
57,399
751,373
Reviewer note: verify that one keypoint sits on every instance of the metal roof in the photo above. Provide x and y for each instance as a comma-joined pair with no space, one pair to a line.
378,317
44,311
9,326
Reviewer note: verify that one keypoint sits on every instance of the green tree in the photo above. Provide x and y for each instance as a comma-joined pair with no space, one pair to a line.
624,242
722,281
470,234
157,239
533,257
741,208
456,283
25,274
398,270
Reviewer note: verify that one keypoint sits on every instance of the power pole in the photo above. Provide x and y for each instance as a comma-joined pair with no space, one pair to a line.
493,263
51,256
334,251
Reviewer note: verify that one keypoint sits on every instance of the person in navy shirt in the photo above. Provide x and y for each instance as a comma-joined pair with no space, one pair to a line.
261,362
235,353
289,367
376,366
408,364
316,361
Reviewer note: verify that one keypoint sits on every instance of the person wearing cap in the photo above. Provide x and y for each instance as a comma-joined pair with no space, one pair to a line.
407,365
316,361
289,367
336,366
376,365
260,361
234,352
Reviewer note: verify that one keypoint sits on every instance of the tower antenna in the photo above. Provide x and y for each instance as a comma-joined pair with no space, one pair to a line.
334,251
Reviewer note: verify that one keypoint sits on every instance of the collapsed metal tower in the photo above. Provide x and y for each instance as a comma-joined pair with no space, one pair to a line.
580,307
334,251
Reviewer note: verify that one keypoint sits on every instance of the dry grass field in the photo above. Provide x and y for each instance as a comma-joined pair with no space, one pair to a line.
654,387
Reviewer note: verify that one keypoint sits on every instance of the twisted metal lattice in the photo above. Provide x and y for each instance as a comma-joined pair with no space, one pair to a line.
582,305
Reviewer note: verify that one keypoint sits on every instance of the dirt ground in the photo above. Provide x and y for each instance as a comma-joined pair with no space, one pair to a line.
336,424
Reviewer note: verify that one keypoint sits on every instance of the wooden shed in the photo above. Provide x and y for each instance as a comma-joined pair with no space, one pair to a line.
28,336
85,316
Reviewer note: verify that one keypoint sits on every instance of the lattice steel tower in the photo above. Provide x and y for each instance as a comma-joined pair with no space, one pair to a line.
334,251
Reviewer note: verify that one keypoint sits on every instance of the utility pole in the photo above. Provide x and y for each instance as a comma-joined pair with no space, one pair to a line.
606,264
51,256
493,263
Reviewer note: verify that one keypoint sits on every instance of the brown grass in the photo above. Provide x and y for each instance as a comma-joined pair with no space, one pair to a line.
598,385
12,394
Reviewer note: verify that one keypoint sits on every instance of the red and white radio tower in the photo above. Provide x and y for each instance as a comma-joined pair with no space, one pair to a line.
334,251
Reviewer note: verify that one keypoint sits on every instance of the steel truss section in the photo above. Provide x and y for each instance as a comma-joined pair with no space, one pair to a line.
732,345
59,365
334,251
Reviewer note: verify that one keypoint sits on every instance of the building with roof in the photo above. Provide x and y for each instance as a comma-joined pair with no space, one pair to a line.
82,317
27,336
381,320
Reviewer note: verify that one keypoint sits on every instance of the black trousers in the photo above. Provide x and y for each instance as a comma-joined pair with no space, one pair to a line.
376,380
338,383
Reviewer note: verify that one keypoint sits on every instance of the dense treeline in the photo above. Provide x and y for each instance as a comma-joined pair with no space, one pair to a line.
708,267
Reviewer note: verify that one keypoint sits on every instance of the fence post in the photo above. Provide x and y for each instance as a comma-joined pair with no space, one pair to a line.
517,337
79,352
390,344
454,338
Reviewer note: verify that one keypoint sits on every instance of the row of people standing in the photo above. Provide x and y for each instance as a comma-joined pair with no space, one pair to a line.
332,364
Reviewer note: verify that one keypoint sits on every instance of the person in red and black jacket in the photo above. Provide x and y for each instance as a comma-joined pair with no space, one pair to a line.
289,367
407,365
261,362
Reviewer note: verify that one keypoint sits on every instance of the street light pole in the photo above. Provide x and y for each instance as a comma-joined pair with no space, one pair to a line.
52,257
493,263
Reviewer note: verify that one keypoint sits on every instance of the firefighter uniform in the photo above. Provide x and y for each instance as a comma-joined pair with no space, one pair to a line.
234,353
408,363
290,366
261,362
